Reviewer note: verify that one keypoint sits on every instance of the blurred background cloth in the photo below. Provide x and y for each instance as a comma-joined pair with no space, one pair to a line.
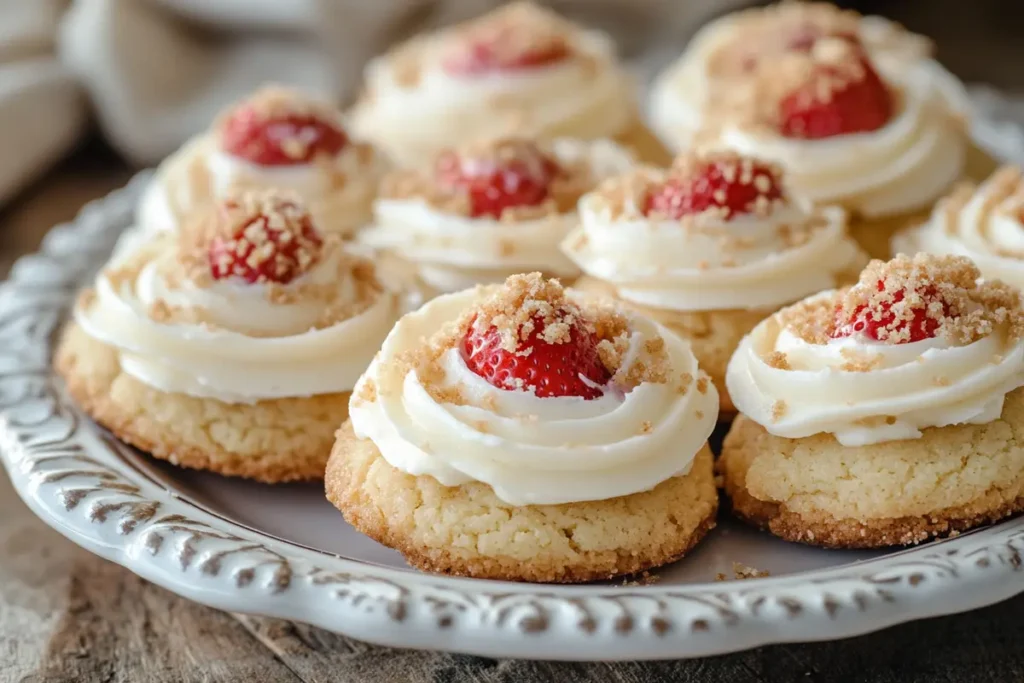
151,73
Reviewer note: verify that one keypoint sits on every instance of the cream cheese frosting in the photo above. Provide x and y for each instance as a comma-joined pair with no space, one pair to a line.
338,189
864,391
414,108
233,341
531,450
707,262
680,95
985,223
451,252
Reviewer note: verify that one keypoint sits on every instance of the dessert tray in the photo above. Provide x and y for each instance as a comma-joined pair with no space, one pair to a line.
285,552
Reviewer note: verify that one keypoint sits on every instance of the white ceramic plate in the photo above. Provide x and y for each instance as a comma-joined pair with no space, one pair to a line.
285,552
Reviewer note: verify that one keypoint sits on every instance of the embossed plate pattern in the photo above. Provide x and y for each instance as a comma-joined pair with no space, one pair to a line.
94,491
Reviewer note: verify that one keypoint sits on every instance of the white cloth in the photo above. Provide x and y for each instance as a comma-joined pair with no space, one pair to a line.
42,111
157,71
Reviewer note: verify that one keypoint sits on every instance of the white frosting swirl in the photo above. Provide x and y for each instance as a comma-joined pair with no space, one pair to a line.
587,96
903,388
531,450
899,168
339,193
984,225
246,347
680,94
744,263
454,252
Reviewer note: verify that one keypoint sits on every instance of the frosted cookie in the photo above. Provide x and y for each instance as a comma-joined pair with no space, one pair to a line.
231,345
489,210
276,139
883,414
709,248
851,130
984,222
518,432
518,68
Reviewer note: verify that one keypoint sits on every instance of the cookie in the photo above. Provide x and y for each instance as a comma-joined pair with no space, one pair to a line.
816,491
468,531
271,441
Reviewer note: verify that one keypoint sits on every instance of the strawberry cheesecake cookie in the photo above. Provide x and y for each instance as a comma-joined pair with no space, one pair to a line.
276,139
709,248
489,210
984,222
882,414
882,143
519,68
520,432
232,345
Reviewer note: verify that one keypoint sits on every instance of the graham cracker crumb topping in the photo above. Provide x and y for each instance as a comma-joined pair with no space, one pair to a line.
944,289
813,77
243,221
567,182
514,29
625,196
516,308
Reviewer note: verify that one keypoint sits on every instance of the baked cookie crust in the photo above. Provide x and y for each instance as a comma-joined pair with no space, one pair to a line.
815,491
271,441
467,531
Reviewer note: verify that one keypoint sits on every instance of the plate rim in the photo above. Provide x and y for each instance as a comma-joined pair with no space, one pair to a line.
69,473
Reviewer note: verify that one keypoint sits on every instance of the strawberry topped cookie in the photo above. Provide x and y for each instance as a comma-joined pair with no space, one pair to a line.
730,49
882,414
519,432
709,248
519,68
488,210
984,222
231,345
882,142
276,139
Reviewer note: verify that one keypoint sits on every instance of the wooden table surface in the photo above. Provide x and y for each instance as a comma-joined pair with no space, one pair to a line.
68,616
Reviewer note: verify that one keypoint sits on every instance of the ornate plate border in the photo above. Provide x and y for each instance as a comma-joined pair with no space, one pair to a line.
71,475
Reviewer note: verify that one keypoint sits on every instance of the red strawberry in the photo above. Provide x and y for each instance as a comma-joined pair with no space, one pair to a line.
839,99
734,184
876,324
280,140
548,369
506,47
274,241
518,174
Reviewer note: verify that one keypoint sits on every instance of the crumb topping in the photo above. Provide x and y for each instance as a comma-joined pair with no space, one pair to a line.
802,79
516,29
566,181
251,226
516,309
765,32
626,196
943,292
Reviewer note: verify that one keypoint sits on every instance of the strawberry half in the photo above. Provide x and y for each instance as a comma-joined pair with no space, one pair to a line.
546,368
880,323
280,139
837,99
731,184
271,240
514,173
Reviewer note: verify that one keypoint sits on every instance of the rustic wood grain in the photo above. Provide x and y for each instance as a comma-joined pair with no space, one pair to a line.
67,616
